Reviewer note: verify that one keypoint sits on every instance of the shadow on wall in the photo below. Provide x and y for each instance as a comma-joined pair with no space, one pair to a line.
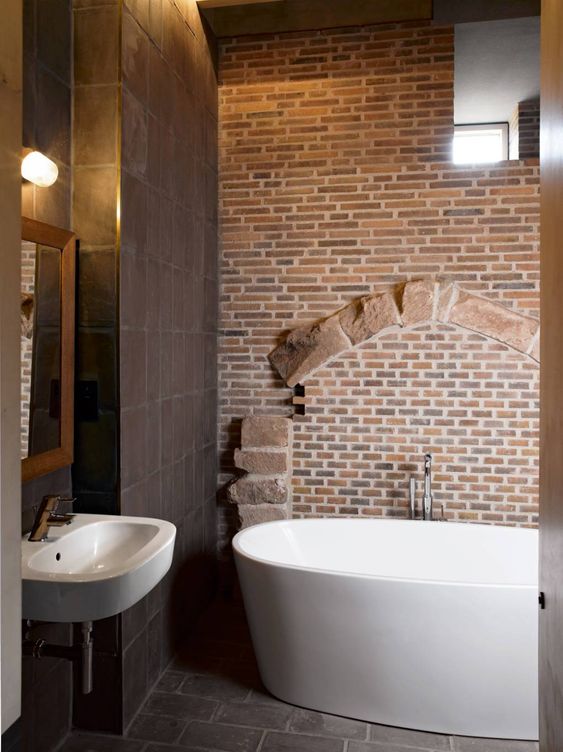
192,582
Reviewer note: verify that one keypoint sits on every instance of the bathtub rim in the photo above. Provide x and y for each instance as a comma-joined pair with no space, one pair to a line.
386,578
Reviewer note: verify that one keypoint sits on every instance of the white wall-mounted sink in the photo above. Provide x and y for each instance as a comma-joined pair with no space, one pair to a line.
96,567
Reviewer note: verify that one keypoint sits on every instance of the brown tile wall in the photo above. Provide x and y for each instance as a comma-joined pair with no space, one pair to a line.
47,98
331,186
144,177
47,95
96,171
97,90
168,318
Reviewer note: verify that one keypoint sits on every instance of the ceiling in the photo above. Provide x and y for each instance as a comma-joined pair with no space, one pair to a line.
497,65
241,17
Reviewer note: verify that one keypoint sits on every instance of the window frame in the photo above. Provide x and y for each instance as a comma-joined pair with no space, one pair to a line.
501,127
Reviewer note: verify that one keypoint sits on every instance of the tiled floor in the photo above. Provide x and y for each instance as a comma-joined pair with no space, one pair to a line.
211,700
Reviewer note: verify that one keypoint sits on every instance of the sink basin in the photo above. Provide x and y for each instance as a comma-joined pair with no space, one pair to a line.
96,567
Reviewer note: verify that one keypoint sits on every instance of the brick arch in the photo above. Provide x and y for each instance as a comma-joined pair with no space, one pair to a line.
413,304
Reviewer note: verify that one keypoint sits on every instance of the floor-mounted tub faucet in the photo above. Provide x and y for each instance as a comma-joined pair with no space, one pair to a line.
427,498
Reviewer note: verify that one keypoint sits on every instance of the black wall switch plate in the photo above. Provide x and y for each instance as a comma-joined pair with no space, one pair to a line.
87,400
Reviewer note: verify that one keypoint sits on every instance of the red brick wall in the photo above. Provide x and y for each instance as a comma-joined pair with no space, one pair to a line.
524,130
334,182
529,128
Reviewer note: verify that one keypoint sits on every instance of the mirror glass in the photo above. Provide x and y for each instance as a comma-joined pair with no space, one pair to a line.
40,348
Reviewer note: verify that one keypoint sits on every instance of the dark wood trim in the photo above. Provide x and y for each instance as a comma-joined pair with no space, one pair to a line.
461,11
56,237
303,15
551,403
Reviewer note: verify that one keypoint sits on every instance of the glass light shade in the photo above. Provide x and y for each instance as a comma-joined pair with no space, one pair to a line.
39,169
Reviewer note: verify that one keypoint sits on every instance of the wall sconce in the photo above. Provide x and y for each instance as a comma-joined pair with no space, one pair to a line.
39,169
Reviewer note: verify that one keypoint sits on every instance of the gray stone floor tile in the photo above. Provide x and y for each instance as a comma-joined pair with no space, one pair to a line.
218,736
170,681
263,697
311,722
386,747
184,707
156,728
78,742
210,699
176,748
197,662
471,744
223,688
423,739
278,742
259,716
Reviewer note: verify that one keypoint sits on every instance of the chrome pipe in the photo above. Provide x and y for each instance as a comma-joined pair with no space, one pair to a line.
412,497
427,497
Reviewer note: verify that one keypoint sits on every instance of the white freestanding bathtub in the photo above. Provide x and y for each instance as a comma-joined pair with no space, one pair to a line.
424,625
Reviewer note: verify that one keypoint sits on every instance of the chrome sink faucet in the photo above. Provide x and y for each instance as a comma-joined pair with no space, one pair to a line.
47,516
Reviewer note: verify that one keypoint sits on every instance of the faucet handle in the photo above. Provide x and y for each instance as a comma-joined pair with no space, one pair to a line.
65,499
52,501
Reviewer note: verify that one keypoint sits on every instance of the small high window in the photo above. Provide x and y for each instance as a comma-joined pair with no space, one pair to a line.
477,144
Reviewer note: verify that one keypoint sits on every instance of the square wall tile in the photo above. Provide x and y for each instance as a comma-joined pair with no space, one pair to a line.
96,45
95,205
95,124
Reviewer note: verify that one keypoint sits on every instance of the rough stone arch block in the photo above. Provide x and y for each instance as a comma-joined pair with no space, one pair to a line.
308,348
368,316
494,320
420,302
417,301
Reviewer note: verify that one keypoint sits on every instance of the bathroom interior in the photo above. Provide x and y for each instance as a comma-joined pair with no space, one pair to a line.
270,437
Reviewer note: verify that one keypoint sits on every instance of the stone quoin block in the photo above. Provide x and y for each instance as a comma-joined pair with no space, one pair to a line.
265,431
366,317
308,348
417,301
494,320
253,515
262,462
255,489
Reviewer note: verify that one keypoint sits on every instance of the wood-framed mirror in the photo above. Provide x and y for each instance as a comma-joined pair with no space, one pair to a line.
48,262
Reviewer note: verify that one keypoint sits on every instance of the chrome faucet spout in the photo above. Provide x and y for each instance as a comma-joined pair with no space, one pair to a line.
427,499
47,516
